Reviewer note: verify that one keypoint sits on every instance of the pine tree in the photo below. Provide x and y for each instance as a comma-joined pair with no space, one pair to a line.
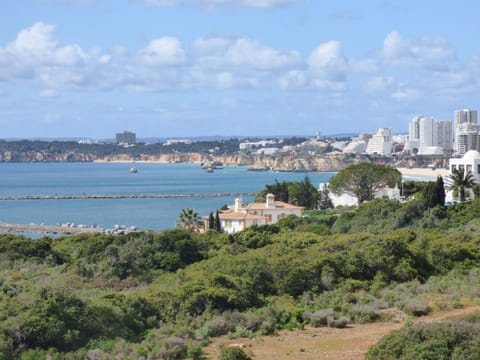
429,194
324,201
217,224
211,221
440,187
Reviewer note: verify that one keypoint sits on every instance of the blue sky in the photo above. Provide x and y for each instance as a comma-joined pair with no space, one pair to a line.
173,68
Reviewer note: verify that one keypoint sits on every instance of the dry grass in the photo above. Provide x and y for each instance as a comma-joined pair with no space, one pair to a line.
323,343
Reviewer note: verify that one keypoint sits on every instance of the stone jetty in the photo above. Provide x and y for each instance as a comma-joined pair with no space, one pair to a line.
117,196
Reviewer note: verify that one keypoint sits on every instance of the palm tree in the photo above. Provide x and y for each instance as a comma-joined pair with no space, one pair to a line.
188,219
460,183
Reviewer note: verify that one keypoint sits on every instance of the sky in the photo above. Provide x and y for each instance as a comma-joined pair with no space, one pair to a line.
183,68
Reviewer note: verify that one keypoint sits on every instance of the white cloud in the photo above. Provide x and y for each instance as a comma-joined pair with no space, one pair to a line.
379,85
293,79
36,58
163,51
225,80
251,54
427,52
213,3
35,46
404,94
242,54
328,66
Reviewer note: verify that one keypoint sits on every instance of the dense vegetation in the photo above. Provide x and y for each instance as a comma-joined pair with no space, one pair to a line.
164,295
457,339
301,193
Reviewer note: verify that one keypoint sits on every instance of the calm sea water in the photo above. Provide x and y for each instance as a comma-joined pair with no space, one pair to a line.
115,178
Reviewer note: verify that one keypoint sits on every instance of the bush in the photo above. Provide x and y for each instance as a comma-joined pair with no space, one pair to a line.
363,313
340,323
319,318
414,307
455,339
233,353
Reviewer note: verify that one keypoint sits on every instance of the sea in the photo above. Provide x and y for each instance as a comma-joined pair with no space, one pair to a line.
19,179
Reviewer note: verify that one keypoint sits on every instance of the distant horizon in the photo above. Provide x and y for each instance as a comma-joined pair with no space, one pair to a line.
189,68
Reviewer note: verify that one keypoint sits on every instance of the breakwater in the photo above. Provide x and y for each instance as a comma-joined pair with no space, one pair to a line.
118,196
47,229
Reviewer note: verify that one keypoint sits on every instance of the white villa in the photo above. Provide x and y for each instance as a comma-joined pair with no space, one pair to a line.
239,217
469,162
347,198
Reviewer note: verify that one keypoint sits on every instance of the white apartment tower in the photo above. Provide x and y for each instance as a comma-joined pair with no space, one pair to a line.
467,131
445,135
381,143
465,116
430,136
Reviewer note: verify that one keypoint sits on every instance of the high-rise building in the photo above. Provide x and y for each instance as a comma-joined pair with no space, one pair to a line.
428,133
465,116
380,143
430,136
445,135
127,137
467,131
467,137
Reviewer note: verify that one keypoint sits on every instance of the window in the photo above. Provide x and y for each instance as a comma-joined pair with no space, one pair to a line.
228,224
478,168
469,168
461,167
454,167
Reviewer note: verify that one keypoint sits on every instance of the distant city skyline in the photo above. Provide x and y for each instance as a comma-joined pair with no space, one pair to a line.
189,68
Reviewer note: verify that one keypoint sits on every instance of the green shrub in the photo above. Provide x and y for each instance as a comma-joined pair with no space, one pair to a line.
319,318
339,323
415,307
454,339
233,353
363,313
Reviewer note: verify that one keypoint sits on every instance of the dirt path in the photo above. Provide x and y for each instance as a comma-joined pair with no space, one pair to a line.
323,343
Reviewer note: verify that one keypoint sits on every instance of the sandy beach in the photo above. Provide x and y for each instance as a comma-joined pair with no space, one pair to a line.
426,173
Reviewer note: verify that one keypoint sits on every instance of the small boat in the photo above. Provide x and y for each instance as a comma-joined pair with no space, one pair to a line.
133,170
210,170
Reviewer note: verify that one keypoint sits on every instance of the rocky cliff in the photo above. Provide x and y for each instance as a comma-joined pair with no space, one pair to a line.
329,162
277,162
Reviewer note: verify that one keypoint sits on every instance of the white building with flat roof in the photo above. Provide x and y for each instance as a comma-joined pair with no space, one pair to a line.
426,133
467,131
381,143
465,116
468,162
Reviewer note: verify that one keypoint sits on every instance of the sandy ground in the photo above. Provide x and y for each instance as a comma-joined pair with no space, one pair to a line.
351,343
423,172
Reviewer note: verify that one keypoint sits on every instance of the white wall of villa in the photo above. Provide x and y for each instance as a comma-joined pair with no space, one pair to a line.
470,161
239,216
237,221
347,198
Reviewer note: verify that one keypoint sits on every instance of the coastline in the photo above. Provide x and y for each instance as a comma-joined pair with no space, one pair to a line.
47,229
424,173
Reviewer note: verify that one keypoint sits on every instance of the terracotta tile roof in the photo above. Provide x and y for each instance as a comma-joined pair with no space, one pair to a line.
239,216
278,205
